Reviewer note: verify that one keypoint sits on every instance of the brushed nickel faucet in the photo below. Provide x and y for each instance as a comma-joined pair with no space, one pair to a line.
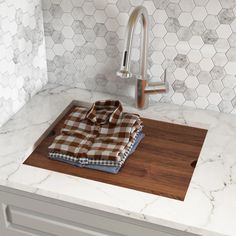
143,88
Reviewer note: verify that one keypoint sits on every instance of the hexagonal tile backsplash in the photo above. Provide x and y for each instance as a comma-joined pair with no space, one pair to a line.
194,39
23,68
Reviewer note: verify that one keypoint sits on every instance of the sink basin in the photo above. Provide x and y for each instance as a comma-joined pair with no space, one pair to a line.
162,164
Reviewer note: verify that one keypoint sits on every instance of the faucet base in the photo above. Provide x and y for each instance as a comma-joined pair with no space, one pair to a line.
142,99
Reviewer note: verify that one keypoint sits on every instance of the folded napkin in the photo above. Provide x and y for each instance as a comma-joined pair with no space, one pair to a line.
100,135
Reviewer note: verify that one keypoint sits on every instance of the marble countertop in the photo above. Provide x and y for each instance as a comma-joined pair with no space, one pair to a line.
210,204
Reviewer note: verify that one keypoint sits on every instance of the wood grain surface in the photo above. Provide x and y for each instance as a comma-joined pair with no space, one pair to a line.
162,164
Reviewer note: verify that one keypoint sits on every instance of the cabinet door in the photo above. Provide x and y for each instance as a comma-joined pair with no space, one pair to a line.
23,216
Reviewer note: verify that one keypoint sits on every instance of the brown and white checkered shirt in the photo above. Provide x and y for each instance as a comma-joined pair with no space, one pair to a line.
102,132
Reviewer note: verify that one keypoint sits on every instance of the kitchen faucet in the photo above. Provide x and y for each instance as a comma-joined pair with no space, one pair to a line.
143,88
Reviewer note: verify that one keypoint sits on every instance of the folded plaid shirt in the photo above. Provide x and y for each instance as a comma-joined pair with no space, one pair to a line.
85,162
102,133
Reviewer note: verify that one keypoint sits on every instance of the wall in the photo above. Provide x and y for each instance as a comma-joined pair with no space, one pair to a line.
194,39
22,54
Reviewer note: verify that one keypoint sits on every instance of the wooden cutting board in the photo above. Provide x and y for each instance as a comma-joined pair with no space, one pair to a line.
162,164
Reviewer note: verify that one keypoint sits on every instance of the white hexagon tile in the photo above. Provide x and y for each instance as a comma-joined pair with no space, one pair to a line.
23,68
194,39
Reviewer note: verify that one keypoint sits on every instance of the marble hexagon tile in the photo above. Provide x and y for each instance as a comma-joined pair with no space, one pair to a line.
194,39
23,69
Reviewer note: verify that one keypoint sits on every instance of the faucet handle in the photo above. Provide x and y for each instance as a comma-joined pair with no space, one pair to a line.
158,87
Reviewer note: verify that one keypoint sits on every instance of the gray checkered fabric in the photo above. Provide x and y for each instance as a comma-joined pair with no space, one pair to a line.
102,134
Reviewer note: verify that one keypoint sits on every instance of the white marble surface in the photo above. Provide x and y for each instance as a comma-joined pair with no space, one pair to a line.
210,204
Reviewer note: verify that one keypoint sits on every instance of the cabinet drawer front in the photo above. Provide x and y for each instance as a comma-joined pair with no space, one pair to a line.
33,217
30,220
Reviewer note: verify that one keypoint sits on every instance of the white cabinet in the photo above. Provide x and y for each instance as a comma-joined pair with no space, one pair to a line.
24,214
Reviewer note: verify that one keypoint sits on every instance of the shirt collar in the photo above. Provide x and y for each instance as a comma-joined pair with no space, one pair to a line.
113,105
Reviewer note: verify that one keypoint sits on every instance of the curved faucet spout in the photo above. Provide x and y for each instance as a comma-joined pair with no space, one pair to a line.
143,89
138,12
